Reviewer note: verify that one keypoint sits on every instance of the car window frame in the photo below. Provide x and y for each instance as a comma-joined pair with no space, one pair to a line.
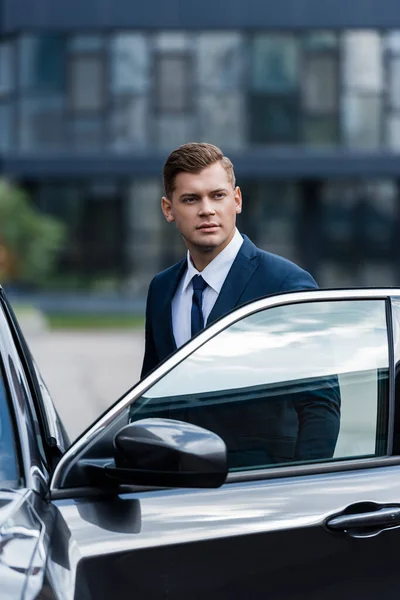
13,422
105,421
34,464
53,436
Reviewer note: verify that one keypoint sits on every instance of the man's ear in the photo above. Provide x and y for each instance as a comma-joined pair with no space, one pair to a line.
166,207
238,199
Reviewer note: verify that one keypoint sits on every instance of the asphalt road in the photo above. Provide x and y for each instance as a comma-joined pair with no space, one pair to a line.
86,372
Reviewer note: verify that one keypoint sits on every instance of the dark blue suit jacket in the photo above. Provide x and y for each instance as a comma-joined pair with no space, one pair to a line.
295,426
254,274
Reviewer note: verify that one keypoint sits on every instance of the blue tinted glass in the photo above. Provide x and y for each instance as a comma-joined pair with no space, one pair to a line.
273,119
8,459
275,63
42,62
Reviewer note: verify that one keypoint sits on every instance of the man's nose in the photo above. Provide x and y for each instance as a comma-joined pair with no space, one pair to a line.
206,207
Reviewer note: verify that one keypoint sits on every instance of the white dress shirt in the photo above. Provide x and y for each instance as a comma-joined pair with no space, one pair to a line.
214,275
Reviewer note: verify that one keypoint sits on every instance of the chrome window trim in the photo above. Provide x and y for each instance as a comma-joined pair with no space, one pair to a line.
89,436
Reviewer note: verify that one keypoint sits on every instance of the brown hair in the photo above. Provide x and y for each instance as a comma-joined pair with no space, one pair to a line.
193,158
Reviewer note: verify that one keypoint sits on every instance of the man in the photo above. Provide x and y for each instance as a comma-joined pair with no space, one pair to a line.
223,270
201,198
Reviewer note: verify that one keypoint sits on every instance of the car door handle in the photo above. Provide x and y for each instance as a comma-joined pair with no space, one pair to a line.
365,524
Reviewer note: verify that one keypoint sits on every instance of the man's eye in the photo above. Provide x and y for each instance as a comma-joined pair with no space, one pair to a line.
220,195
189,200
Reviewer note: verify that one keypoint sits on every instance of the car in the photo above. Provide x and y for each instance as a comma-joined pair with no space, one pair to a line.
260,460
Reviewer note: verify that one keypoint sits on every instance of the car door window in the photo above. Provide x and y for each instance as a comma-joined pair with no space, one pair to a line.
289,384
8,459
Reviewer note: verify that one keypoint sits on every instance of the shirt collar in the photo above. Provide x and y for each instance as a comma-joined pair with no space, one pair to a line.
215,273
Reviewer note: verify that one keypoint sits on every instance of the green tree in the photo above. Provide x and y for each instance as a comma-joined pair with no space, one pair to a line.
29,240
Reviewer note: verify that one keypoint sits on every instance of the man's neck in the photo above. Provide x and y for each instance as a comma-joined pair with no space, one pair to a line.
202,259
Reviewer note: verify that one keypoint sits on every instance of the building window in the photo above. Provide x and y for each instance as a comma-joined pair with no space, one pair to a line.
130,91
221,61
273,101
272,215
6,68
42,63
7,99
363,84
87,95
87,133
359,231
129,123
6,126
130,64
392,41
220,71
41,123
86,83
320,89
173,98
172,83
42,89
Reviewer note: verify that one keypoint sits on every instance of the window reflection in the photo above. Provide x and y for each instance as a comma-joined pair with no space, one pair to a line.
42,62
87,133
359,229
222,119
173,130
42,124
221,61
6,127
320,130
320,84
130,66
393,131
86,83
362,63
394,82
129,123
173,73
275,63
362,120
6,68
273,119
285,344
329,358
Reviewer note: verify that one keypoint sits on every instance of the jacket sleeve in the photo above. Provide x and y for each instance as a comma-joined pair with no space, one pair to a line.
318,413
150,360
301,280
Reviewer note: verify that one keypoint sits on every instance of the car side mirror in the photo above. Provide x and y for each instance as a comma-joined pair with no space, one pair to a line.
168,453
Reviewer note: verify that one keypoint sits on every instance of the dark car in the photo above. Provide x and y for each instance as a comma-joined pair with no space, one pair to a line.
261,460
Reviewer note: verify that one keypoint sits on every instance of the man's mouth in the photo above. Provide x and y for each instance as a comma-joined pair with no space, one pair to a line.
208,226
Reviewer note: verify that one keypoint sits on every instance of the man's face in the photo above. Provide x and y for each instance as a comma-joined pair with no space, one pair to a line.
204,207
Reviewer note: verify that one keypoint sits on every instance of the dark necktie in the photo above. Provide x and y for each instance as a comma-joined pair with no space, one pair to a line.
197,300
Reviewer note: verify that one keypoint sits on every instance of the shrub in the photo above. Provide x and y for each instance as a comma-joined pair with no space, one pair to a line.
29,240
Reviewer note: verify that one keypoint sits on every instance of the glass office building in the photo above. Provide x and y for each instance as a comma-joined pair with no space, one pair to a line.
305,103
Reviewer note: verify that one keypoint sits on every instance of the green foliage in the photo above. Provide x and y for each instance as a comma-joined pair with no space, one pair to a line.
29,240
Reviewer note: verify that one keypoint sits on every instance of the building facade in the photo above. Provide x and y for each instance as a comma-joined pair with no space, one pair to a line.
302,95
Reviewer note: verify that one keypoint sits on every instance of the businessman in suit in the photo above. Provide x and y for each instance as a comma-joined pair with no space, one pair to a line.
222,270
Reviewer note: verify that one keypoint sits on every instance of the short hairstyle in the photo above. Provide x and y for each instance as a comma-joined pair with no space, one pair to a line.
193,158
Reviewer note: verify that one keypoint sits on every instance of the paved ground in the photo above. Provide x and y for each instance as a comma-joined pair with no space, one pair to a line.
86,372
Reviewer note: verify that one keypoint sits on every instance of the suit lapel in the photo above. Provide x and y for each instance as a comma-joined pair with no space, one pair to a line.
163,331
236,281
